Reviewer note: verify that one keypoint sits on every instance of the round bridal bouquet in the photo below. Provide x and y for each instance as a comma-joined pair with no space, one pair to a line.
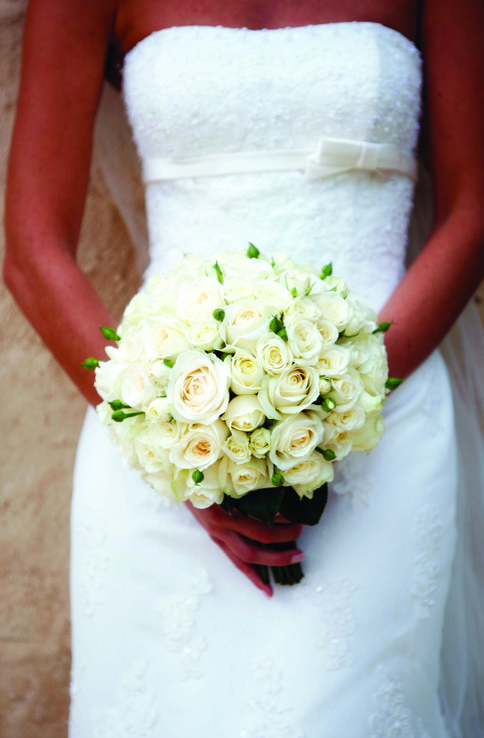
238,380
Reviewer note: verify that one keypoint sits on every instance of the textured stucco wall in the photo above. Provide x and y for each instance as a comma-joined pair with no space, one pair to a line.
40,417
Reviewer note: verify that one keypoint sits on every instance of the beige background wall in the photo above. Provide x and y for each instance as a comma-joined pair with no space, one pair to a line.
40,418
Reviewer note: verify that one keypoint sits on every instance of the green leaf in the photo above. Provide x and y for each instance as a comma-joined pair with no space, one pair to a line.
302,509
218,272
218,314
383,326
90,363
392,383
327,453
168,363
109,333
253,252
262,504
119,415
282,334
327,270
198,476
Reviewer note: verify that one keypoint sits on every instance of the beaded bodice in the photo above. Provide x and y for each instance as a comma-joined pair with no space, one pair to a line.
194,91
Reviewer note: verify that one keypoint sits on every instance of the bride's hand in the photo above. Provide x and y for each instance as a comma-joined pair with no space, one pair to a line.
240,537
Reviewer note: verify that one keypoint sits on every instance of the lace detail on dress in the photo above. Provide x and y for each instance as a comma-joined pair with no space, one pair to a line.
352,478
336,621
135,712
265,695
93,565
429,536
177,616
392,718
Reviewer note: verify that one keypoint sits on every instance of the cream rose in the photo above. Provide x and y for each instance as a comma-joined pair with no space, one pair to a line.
349,420
198,299
328,331
335,309
164,338
151,456
301,282
294,439
333,361
304,339
304,307
204,335
244,478
346,390
273,294
310,474
200,446
137,387
159,410
236,447
198,388
208,492
245,372
369,435
290,392
244,413
260,442
273,353
245,322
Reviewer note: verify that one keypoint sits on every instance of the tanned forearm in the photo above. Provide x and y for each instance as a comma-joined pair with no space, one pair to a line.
435,290
64,309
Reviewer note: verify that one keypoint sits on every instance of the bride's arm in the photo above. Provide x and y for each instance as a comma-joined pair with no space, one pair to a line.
62,72
63,62
446,274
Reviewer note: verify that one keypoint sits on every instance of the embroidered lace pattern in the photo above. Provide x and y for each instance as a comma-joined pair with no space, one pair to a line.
266,697
94,563
429,536
176,615
336,621
392,718
135,712
352,479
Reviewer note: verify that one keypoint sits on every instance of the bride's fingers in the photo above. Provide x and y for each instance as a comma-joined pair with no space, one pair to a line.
245,568
250,528
246,550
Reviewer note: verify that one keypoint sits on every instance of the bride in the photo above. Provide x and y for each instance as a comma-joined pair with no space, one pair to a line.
172,633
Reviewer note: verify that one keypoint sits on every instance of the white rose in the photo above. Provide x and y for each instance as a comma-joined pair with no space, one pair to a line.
238,289
335,284
333,361
371,404
109,376
151,456
130,347
294,439
301,282
245,373
310,474
200,446
374,370
137,387
282,263
273,294
349,420
244,478
304,307
159,409
369,435
346,390
339,443
161,483
290,392
198,299
335,309
325,386
236,265
198,388
304,339
273,353
160,373
245,322
329,332
164,338
237,448
208,492
260,442
244,413
204,334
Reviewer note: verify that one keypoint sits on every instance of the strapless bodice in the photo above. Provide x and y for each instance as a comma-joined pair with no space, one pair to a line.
195,91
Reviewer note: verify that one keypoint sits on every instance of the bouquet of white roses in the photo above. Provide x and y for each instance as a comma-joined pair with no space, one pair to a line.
239,380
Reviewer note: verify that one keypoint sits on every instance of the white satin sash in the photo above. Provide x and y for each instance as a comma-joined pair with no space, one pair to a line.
332,156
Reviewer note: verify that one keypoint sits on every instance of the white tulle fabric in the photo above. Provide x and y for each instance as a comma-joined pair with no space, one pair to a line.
168,638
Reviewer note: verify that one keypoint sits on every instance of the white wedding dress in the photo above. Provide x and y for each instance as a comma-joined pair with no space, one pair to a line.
169,639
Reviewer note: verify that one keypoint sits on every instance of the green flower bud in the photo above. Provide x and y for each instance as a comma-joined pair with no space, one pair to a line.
326,271
328,404
198,476
383,326
109,333
90,363
168,363
219,314
277,479
218,272
253,252
392,383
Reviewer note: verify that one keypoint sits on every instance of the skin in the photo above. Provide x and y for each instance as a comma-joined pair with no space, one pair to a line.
48,174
